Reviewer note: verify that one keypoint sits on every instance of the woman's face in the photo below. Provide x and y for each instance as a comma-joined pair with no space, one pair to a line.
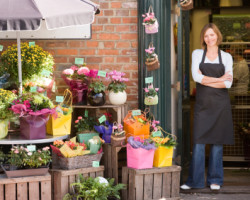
210,37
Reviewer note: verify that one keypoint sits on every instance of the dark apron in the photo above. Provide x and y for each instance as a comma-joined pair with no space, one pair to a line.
213,122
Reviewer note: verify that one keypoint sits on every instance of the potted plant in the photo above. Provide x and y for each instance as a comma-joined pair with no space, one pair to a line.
6,97
117,87
77,78
150,22
35,62
152,61
85,128
94,188
118,135
96,94
33,110
151,97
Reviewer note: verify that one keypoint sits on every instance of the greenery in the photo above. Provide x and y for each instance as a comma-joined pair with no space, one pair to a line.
20,156
85,123
94,189
2,157
97,86
6,98
34,60
150,91
117,86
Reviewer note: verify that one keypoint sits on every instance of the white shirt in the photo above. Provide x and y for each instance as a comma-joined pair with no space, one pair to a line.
227,60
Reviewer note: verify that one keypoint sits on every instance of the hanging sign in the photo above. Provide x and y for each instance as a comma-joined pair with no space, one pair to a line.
149,79
79,61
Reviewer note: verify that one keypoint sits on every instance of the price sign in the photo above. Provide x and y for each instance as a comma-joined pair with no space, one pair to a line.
156,134
31,147
59,99
101,73
136,112
79,61
46,72
33,89
32,44
95,164
102,119
149,79
1,47
86,113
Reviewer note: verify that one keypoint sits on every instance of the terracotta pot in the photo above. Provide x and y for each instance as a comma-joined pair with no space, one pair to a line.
96,99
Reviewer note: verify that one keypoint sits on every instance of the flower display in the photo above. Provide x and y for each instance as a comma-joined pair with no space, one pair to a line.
150,91
32,104
153,125
118,130
6,98
77,72
21,156
85,123
167,141
117,81
149,18
34,61
150,54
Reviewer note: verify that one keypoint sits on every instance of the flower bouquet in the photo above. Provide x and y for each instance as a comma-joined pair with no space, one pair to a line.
117,87
165,144
73,155
151,97
118,135
152,61
106,130
76,77
6,97
150,22
24,162
140,153
33,110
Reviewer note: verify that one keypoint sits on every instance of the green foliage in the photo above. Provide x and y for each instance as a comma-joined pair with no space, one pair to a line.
94,189
151,92
34,60
97,86
116,86
6,98
85,123
2,157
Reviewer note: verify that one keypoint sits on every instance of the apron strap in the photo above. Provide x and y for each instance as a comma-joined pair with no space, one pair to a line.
219,54
204,55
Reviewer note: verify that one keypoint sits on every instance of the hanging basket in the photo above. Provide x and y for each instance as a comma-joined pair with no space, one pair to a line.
151,28
151,100
186,4
153,65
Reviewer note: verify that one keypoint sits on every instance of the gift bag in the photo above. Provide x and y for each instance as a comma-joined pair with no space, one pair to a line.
151,28
60,122
139,158
151,100
136,125
163,156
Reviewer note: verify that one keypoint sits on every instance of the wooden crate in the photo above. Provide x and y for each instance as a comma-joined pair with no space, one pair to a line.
61,179
155,183
114,159
23,188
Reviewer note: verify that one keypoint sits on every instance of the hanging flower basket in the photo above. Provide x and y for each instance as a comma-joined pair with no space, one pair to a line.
150,22
186,4
151,100
153,64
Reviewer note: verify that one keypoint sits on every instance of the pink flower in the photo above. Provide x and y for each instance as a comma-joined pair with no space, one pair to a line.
27,150
156,89
74,67
68,72
143,15
29,154
45,148
39,151
40,158
93,73
80,117
146,89
83,70
76,121
150,86
16,151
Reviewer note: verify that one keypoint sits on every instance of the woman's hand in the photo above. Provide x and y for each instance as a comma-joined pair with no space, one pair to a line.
226,77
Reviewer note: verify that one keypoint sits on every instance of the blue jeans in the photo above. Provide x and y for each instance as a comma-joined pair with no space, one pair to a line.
196,178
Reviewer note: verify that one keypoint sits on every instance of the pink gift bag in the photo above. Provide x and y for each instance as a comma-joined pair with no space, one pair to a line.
152,28
139,158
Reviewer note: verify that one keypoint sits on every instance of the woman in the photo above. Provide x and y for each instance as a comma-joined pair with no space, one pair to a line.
212,72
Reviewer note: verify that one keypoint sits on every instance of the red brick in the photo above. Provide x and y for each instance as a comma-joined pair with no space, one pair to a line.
60,59
130,67
129,52
129,36
51,51
133,13
115,20
112,67
108,52
122,59
109,44
129,5
93,66
109,28
109,59
92,43
106,36
94,36
116,4
129,20
133,28
104,5
132,97
55,44
122,28
97,28
134,75
132,83
122,13
108,12
94,60
123,45
134,44
76,43
102,20
134,58
87,52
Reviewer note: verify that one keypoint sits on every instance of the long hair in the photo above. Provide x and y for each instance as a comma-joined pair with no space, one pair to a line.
215,29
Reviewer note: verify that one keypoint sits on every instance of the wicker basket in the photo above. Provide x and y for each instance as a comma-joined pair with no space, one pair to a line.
186,4
153,65
117,141
74,162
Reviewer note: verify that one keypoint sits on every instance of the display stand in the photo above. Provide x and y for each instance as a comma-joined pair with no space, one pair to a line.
151,184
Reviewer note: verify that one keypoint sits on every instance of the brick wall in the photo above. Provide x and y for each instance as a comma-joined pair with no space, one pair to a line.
113,45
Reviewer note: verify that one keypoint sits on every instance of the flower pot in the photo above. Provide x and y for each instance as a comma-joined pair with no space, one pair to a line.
151,100
118,98
80,96
96,99
3,128
153,64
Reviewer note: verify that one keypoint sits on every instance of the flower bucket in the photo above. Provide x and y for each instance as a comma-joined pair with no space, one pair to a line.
3,128
33,127
151,100
153,65
163,156
152,28
139,158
